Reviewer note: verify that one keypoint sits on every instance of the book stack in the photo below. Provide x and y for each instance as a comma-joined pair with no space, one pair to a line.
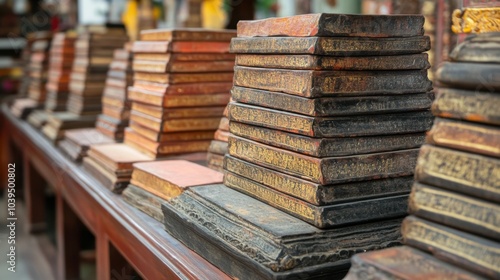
115,103
77,142
330,111
455,201
182,79
58,122
39,63
218,146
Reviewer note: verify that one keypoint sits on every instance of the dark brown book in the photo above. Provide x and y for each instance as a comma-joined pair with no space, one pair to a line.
200,57
66,120
404,263
327,147
162,113
144,201
452,209
316,62
338,106
116,156
105,178
315,193
191,88
177,101
465,250
467,105
311,83
465,136
181,78
204,218
180,47
330,170
473,76
171,136
175,125
467,173
188,34
341,25
152,66
342,47
168,179
342,126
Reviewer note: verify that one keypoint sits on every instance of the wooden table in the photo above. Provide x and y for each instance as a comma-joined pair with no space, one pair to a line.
140,241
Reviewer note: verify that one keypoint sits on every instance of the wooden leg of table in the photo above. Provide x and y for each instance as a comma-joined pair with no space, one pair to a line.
110,263
69,229
34,197
102,251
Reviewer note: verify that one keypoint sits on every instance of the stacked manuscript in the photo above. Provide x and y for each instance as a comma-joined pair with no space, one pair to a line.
77,142
455,203
218,146
182,79
38,69
329,114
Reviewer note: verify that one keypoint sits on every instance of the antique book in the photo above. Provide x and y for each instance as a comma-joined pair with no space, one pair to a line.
115,102
119,83
338,25
342,126
404,263
467,105
91,77
52,133
171,136
467,173
474,76
169,178
468,251
459,211
326,216
465,136
180,47
144,201
215,162
175,113
181,78
191,88
175,125
111,181
327,147
86,137
38,118
188,34
116,156
115,92
330,170
342,47
316,62
199,57
480,48
116,112
311,83
70,149
166,148
315,193
176,101
116,74
218,147
265,242
154,66
338,106
112,122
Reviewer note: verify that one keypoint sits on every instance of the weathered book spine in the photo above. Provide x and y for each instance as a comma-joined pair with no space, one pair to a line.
175,125
477,254
345,126
327,147
465,136
192,88
317,194
342,25
332,170
480,49
338,106
455,210
331,46
161,67
311,84
174,136
194,112
218,147
313,62
403,263
177,101
144,201
467,105
182,35
462,172
321,216
474,76
182,78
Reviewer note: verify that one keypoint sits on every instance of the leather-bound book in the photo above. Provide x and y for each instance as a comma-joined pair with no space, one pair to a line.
218,147
180,47
109,179
116,156
179,34
144,201
468,75
191,88
181,78
154,66
185,57
171,136
175,113
175,125
178,100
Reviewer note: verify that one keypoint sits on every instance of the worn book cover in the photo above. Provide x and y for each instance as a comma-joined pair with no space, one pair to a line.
218,147
338,106
188,34
467,173
182,78
193,57
327,147
465,136
175,125
163,113
119,113
144,201
341,25
117,156
474,76
205,218
161,67
215,162
191,88
171,136
482,48
330,170
177,101
86,137
169,178
311,83
107,179
474,253
343,47
315,193
180,47
221,135
342,126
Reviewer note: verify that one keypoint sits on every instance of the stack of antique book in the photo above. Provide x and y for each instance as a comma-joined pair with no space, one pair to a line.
218,146
455,201
329,114
182,79
115,103
39,64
